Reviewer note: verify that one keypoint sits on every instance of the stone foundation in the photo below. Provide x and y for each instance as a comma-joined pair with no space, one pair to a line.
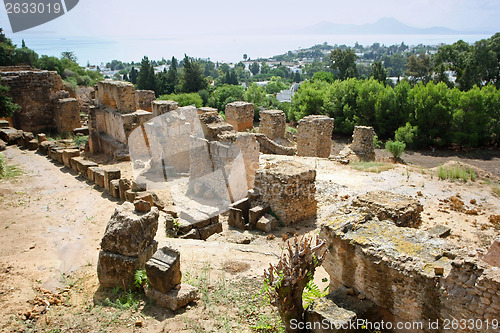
289,188
314,136
67,115
272,124
118,96
408,274
240,115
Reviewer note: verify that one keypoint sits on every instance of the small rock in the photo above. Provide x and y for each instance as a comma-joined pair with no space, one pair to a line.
139,323
142,206
361,297
350,292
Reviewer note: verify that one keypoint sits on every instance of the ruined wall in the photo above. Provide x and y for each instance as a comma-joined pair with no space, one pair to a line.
314,136
272,124
405,271
240,115
118,96
161,107
289,188
67,115
143,99
37,92
362,142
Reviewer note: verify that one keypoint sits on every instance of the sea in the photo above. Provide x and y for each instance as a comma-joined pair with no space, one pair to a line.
221,48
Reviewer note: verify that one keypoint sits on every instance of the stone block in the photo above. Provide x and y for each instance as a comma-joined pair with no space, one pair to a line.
68,154
267,223
116,95
109,175
117,270
10,135
130,195
236,219
3,145
82,165
143,99
493,255
59,155
45,146
402,210
192,234
128,232
240,115
210,230
41,138
99,177
195,217
164,269
33,144
272,124
314,136
175,298
161,107
124,187
67,115
289,188
255,213
142,206
114,188
81,131
4,124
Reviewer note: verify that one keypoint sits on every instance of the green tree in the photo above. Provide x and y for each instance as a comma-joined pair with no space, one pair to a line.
308,100
419,68
133,75
70,55
172,77
296,77
193,79
254,68
7,50
255,94
7,107
275,85
184,99
26,56
225,94
379,72
264,68
323,76
146,78
345,62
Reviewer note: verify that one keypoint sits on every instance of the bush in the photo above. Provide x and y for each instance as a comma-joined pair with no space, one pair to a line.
396,148
406,133
184,99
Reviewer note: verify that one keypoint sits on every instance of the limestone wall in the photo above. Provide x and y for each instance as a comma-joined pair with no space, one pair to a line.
240,115
314,136
161,107
116,95
272,124
289,188
143,100
37,92
411,275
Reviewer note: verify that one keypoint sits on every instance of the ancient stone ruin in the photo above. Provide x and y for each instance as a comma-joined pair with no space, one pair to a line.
362,143
114,118
46,102
127,245
273,124
289,188
161,107
240,115
314,136
144,100
164,277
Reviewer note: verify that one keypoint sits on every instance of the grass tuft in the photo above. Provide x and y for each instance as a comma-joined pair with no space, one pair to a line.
456,172
375,167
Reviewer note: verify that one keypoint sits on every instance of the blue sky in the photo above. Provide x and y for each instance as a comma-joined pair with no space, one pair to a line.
160,18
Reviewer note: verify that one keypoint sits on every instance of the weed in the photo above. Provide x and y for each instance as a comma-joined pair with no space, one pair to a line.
126,299
8,171
375,167
291,130
140,278
456,172
313,292
81,140
396,148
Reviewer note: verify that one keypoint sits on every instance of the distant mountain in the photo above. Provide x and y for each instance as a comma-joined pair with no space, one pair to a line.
384,26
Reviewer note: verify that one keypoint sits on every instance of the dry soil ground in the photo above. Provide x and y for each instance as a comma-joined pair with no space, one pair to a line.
51,223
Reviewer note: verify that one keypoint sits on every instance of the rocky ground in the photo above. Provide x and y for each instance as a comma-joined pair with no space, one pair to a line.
52,221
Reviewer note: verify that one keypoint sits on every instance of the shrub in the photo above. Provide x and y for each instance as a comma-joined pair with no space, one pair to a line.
396,148
184,99
406,133
3,166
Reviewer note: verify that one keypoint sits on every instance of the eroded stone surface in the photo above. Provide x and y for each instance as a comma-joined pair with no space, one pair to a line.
314,136
164,269
175,298
240,115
